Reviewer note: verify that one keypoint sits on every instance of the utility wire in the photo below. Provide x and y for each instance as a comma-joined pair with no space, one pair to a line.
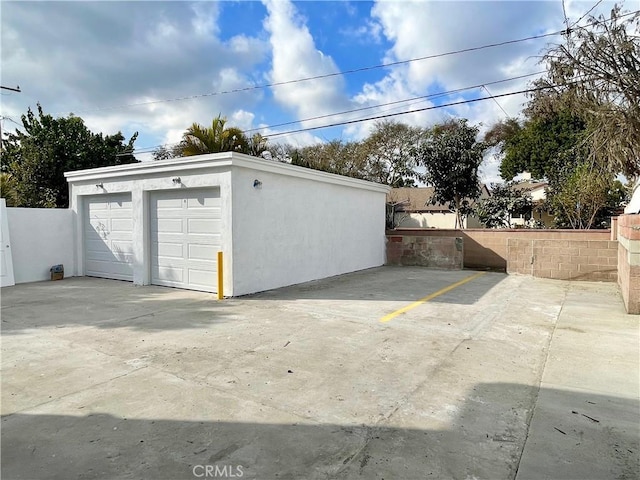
345,72
406,100
424,97
566,20
327,75
494,99
378,117
588,12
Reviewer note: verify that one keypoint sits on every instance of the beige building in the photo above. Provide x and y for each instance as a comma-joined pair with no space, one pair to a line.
413,208
537,190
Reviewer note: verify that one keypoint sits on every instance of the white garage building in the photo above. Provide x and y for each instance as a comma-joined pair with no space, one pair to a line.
164,222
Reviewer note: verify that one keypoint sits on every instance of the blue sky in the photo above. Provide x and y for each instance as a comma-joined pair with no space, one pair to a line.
96,59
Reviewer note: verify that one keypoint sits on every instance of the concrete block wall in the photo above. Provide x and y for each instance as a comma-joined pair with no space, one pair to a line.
629,261
485,248
435,252
594,260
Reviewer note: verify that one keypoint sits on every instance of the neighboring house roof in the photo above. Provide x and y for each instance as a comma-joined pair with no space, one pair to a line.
529,185
535,188
411,199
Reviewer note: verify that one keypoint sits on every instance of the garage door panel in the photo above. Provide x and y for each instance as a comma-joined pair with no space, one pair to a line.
167,202
172,250
185,231
108,245
201,278
212,242
109,269
202,252
122,225
205,226
116,248
99,205
172,275
120,213
96,245
169,225
122,246
205,201
106,256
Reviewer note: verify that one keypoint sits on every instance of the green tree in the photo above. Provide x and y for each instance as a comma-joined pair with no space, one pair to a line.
594,74
198,139
258,145
390,153
387,155
538,146
504,203
8,189
336,156
37,156
165,153
452,155
581,196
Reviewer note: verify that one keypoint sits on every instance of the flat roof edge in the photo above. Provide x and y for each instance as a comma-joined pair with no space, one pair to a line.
217,160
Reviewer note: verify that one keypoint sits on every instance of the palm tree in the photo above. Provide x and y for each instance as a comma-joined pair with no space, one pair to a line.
9,190
257,145
199,139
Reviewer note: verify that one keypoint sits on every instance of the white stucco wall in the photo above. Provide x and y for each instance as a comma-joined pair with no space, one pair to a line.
300,224
634,204
141,182
41,238
292,230
445,220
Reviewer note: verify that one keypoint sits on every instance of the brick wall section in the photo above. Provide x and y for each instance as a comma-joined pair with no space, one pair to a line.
484,248
629,261
435,252
594,260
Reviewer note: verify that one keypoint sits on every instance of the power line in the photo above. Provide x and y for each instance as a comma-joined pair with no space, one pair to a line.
433,95
422,97
149,149
566,20
344,72
378,117
588,12
17,89
327,75
494,99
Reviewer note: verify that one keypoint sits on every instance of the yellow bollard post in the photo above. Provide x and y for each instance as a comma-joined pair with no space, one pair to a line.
220,278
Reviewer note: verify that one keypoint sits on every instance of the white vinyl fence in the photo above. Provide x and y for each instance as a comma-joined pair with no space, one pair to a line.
38,238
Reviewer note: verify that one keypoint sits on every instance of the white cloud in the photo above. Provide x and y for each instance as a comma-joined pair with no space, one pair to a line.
242,119
294,55
105,58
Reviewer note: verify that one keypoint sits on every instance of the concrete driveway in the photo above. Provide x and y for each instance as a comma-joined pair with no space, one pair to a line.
387,373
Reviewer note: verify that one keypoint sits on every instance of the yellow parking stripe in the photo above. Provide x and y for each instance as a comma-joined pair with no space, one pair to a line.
417,303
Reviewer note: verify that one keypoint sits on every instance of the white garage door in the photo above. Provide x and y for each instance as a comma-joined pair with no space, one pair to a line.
108,251
185,238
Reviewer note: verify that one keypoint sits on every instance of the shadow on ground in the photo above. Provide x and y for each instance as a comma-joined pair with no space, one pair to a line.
105,303
388,283
579,435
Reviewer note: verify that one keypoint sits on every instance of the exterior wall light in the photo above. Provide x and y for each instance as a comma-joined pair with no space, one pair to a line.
100,185
176,181
257,183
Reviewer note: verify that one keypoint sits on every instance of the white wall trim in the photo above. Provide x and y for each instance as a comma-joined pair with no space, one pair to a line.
218,160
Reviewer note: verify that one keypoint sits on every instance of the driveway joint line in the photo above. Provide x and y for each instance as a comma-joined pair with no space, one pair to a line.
539,382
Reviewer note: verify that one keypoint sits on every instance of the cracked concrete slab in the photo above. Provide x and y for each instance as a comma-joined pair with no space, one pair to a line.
101,379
